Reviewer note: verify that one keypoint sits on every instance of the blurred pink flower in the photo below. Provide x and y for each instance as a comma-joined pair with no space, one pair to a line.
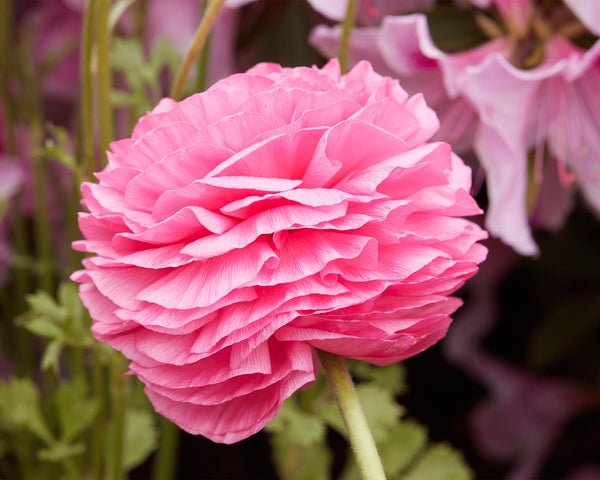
588,12
280,210
56,26
369,11
523,415
177,20
11,179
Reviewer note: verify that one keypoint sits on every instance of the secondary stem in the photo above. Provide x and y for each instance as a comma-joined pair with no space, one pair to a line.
346,31
199,39
360,436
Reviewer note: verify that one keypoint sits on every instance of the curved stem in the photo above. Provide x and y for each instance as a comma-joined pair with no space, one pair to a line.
199,39
360,436
346,31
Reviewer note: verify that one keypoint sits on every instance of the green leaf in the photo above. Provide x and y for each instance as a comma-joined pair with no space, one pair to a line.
299,444
141,437
51,357
76,410
440,462
59,452
298,427
42,303
42,326
391,377
404,443
295,462
20,408
380,408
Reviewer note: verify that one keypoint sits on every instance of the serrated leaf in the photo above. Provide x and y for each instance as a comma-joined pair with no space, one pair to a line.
164,54
440,462
51,357
43,304
42,326
141,437
298,427
59,452
20,408
391,377
380,408
76,410
295,462
405,441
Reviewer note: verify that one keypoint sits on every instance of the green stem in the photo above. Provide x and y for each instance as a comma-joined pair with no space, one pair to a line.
346,31
118,400
42,227
199,39
164,465
104,74
87,98
98,429
360,436
20,277
203,66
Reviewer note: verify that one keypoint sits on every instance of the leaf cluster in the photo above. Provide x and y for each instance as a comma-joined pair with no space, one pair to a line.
299,433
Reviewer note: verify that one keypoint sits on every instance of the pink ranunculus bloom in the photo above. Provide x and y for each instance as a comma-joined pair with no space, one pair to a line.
281,210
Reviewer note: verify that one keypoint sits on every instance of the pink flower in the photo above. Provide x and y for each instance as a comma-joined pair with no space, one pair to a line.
503,111
369,11
588,12
280,210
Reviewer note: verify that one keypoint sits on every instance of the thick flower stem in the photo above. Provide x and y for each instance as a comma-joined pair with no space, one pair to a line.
360,436
199,39
346,31
164,466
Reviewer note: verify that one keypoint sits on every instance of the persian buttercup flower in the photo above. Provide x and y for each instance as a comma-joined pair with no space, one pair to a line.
280,210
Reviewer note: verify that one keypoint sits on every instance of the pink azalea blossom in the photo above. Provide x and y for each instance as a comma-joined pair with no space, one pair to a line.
282,209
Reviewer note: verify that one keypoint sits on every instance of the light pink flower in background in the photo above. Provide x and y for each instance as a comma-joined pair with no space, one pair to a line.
523,415
177,20
369,11
282,209
11,179
56,27
502,112
588,12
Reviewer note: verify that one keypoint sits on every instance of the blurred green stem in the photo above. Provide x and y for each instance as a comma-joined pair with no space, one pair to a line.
199,40
118,401
346,31
164,465
98,429
104,74
359,433
87,99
